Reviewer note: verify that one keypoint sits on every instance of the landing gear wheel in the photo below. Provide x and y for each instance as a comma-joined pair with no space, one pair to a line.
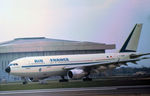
25,82
63,79
87,79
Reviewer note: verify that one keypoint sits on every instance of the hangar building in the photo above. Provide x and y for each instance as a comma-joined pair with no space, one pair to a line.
41,46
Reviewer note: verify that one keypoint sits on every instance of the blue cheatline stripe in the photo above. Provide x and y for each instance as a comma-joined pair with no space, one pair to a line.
60,64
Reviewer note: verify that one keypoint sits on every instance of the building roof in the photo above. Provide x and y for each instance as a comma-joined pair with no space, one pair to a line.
35,44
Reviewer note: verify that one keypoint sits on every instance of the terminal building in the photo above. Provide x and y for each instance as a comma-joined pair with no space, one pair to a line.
41,46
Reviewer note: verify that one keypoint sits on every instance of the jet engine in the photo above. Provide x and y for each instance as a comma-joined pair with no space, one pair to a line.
76,73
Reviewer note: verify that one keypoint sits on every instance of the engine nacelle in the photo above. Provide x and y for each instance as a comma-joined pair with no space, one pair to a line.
76,73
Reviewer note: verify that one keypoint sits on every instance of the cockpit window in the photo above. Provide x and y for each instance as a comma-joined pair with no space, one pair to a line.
14,64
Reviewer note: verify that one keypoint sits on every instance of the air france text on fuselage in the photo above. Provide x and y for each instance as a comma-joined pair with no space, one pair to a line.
52,60
59,59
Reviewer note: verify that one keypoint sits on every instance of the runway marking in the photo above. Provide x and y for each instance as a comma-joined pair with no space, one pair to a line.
69,89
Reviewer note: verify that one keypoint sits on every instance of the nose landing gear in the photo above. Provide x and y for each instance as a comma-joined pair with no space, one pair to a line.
24,80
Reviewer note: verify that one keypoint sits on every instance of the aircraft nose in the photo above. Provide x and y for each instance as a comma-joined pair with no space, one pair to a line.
8,69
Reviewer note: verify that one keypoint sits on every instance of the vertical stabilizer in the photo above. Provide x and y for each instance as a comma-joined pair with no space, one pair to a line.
131,43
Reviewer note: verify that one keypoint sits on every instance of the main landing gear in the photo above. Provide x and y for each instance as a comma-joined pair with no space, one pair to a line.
63,79
24,82
87,79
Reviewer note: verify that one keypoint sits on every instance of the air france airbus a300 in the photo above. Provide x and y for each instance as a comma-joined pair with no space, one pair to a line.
77,66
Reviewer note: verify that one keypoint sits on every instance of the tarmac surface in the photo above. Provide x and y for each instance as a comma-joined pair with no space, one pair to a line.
140,90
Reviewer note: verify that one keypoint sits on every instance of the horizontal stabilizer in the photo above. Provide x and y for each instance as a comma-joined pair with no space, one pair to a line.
139,55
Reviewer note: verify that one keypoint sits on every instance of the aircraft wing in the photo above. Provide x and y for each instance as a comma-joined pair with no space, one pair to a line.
105,63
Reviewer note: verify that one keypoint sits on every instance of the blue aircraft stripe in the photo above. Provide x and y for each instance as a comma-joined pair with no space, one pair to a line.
59,64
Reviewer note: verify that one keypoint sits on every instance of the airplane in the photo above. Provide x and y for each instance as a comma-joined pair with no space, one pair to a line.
78,66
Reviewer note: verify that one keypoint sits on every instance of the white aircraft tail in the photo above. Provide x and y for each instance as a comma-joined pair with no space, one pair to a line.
131,43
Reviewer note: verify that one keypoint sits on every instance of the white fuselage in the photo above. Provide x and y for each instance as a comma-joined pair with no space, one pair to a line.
46,66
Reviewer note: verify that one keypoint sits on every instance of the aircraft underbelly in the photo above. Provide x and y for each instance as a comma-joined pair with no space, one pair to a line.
40,72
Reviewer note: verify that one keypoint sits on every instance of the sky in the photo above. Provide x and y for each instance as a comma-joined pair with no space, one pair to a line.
102,21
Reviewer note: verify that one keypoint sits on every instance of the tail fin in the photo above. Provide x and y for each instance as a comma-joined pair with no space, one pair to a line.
131,43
